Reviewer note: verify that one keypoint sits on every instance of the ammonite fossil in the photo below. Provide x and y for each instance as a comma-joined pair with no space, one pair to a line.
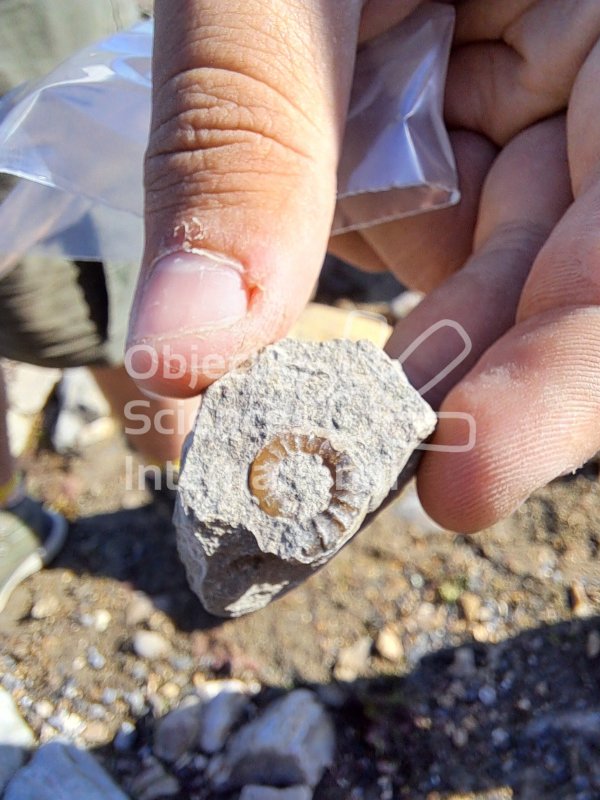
288,455
276,476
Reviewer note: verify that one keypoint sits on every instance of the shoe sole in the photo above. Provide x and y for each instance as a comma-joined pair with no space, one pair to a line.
36,561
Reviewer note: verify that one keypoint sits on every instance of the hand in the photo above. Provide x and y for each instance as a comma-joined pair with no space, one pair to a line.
249,106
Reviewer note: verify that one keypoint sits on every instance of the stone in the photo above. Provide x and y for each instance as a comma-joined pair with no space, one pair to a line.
154,782
289,454
139,609
150,645
47,606
221,712
353,660
177,732
470,605
16,738
62,772
291,743
389,645
269,793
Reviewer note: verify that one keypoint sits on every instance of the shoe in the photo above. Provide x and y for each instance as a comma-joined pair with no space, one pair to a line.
30,537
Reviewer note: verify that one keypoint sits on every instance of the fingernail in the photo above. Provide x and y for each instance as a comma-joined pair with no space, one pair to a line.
190,293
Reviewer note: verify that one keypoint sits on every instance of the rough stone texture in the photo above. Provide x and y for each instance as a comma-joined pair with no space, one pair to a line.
226,701
15,738
289,454
269,793
62,772
176,733
291,743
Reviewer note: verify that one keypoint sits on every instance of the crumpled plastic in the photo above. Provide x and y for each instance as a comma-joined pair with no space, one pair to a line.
76,141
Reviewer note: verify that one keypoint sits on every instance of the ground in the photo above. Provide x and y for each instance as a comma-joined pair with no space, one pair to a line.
493,691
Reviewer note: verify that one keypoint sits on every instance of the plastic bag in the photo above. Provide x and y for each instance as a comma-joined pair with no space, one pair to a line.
78,138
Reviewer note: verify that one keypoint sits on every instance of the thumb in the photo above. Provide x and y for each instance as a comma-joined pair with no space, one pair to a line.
249,104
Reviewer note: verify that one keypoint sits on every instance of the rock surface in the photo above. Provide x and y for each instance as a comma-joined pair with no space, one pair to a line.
289,454
62,772
269,793
291,743
15,737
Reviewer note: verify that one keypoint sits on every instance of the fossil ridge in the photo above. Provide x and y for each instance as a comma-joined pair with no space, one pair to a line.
288,455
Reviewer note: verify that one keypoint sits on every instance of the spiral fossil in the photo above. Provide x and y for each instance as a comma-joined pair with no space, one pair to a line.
345,502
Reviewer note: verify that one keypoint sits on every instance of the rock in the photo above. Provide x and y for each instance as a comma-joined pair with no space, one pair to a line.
463,665
470,604
592,647
154,782
289,454
15,738
62,772
221,712
292,742
46,606
389,645
150,645
82,407
139,609
269,793
177,732
95,658
96,732
126,737
353,660
580,604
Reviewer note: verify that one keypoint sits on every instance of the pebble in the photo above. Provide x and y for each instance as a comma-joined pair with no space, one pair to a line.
389,645
222,712
463,665
291,742
177,732
126,737
254,792
102,619
592,646
15,737
136,702
96,732
44,709
109,696
353,660
70,724
150,645
45,607
470,605
154,782
62,772
139,610
487,695
95,659
579,601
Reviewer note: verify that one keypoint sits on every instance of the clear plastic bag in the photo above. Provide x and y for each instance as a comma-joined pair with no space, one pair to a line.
78,136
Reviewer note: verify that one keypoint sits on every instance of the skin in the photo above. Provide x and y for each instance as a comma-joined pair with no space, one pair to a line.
249,106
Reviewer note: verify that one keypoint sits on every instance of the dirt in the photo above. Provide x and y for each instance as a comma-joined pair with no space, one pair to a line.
497,692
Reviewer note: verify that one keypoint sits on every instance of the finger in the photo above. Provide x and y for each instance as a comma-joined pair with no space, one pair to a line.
249,102
423,250
500,87
525,194
535,399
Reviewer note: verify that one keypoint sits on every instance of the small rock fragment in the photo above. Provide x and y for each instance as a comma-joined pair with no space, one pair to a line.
139,609
389,645
15,738
592,646
150,645
62,772
289,454
353,660
470,604
269,793
221,713
126,737
580,604
154,782
291,743
46,606
177,732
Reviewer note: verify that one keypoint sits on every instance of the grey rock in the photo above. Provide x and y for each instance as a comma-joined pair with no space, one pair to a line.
222,712
125,738
289,454
15,738
150,645
177,732
154,782
62,772
291,743
269,793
